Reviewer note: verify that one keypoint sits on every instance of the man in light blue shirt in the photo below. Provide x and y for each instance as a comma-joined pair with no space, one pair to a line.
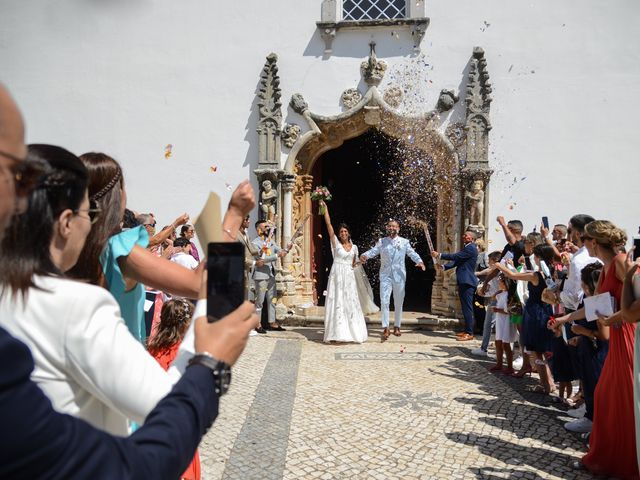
392,250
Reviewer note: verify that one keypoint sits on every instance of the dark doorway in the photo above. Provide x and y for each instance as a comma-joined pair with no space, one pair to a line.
372,179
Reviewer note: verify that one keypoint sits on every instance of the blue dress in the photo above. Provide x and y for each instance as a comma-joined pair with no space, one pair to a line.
537,337
131,301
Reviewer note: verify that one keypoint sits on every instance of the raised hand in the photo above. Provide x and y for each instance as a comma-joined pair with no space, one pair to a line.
501,220
226,338
181,220
243,199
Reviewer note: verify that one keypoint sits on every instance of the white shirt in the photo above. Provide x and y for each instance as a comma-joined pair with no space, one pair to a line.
86,361
185,260
571,294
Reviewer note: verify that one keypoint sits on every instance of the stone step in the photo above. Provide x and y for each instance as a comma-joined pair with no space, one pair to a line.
313,316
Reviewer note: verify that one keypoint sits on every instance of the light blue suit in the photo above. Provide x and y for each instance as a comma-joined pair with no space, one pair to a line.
393,274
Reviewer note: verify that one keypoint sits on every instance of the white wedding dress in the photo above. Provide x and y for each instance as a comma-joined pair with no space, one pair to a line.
343,317
365,292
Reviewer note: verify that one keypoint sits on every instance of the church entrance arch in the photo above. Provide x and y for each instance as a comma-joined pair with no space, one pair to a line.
453,165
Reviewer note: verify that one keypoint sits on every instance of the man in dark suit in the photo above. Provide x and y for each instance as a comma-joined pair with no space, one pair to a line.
464,262
38,442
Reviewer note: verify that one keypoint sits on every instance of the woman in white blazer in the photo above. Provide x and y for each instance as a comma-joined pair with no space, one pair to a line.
86,361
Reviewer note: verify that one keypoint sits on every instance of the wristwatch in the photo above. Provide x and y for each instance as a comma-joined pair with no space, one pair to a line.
220,370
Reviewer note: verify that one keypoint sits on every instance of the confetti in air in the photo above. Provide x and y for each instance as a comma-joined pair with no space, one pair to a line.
213,169
168,151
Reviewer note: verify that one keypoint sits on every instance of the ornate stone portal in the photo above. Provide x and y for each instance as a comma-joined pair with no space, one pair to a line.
460,157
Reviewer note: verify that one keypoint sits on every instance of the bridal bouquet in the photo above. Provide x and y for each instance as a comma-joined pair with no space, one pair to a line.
321,193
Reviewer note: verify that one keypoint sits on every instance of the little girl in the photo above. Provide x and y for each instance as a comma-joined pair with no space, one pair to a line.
506,332
175,317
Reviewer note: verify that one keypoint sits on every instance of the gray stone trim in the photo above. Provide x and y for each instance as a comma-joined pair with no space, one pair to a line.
260,450
418,27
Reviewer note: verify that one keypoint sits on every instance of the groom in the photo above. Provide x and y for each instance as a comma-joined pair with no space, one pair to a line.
392,250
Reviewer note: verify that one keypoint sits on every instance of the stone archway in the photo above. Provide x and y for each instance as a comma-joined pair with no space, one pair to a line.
457,163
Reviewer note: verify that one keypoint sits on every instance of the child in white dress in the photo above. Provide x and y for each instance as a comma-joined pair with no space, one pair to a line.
506,332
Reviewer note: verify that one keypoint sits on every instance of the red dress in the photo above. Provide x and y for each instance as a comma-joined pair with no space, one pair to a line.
613,441
165,358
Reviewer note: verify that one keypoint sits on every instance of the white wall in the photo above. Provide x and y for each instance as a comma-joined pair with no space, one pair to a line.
129,77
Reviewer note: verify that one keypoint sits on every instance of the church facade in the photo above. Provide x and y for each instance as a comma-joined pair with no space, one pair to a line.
518,110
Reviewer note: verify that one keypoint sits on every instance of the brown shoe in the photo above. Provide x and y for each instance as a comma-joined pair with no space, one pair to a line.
396,331
466,337
385,334
460,334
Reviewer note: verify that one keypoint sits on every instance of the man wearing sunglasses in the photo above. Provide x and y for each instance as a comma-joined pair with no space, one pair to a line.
37,442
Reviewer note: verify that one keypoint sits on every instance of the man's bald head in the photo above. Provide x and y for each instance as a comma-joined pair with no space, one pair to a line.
11,126
13,147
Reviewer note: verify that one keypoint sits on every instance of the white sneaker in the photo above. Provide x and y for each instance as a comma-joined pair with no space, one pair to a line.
253,333
517,363
581,425
578,412
478,352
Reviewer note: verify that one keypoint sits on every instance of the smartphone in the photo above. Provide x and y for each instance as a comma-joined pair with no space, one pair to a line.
225,278
545,222
636,250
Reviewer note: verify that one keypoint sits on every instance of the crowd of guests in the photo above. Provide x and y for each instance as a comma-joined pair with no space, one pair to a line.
80,363
534,292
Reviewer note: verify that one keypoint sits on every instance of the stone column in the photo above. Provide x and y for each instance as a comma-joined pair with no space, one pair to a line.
288,182
308,284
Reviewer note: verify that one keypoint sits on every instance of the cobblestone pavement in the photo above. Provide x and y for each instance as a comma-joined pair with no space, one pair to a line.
300,409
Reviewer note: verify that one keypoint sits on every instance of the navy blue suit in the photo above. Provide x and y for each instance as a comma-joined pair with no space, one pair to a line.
464,262
38,442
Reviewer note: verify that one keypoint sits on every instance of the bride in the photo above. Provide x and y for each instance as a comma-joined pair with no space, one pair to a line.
343,317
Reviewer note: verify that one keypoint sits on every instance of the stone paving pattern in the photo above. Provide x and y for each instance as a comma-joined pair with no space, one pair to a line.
438,415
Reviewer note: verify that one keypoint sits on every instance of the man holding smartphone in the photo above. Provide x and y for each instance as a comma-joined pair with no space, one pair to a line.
264,272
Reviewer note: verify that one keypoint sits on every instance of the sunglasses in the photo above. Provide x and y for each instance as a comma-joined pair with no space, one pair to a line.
93,213
152,225
25,174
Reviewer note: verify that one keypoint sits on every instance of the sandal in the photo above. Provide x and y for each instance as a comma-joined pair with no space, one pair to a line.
539,389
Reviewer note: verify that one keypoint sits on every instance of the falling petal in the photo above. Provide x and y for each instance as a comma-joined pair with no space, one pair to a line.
213,169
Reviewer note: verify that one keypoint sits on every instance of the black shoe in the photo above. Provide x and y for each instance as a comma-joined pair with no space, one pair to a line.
277,329
261,330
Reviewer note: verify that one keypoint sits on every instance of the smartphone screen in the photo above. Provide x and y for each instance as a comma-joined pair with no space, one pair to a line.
225,278
636,251
545,222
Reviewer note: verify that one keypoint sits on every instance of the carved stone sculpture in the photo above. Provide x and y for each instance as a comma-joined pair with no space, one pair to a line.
372,69
298,103
350,97
268,198
475,204
290,134
447,100
393,96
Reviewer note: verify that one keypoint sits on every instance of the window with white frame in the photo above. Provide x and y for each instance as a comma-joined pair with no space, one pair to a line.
373,9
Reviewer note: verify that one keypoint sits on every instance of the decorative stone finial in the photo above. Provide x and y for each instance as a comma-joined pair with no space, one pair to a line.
298,103
372,69
447,100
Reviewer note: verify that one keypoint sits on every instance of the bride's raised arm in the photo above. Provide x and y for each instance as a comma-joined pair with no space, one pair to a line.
327,220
